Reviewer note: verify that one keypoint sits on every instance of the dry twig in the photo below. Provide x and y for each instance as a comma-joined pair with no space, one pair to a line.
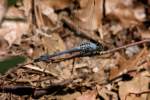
137,94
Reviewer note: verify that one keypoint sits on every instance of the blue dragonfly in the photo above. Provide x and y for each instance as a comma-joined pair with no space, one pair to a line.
84,49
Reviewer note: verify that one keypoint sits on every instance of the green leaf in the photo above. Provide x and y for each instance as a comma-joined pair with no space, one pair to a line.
11,2
6,64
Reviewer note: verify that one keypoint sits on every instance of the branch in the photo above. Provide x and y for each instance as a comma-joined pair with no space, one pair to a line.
125,46
137,94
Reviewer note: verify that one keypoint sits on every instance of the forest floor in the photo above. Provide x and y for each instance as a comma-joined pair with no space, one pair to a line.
32,28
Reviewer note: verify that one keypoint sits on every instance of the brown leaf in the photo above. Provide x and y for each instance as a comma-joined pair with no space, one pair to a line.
138,84
125,64
58,4
71,96
14,12
90,95
89,16
145,33
50,44
45,14
128,12
27,7
49,15
13,31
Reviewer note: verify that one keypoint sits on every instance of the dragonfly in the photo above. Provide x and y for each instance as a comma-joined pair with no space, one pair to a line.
84,49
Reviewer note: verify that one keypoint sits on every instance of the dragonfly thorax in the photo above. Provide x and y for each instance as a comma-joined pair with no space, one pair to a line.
88,48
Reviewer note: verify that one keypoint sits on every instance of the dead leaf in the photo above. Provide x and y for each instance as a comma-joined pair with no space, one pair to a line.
13,31
58,4
15,13
89,16
69,96
45,14
27,7
106,93
145,33
49,14
129,64
89,95
128,12
138,84
49,44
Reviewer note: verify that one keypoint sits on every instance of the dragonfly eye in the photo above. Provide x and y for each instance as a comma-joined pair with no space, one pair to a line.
100,47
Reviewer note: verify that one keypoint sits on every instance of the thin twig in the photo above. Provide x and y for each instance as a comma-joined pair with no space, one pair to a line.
104,8
115,79
35,68
137,94
125,46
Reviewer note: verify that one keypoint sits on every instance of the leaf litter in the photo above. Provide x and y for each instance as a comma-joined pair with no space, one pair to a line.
32,28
